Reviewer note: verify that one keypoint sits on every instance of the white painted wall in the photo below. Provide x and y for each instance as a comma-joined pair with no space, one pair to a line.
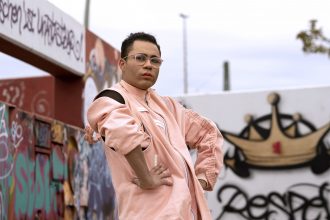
228,109
40,27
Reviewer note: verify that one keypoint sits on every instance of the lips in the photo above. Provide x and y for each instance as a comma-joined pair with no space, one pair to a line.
147,74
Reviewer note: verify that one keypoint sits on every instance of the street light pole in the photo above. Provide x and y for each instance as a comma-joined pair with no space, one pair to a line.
185,69
86,16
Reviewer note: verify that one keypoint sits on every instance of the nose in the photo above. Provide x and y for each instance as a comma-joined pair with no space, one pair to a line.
148,63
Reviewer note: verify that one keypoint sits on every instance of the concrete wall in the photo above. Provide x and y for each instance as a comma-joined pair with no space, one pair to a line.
277,153
277,159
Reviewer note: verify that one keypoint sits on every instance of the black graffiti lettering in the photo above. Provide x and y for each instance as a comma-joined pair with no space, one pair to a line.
16,13
291,205
60,35
10,12
53,32
74,45
256,208
313,207
4,11
56,33
237,202
323,197
306,208
279,202
315,203
296,202
29,16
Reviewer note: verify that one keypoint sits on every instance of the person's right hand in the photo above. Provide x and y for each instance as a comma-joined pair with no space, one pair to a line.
160,175
90,136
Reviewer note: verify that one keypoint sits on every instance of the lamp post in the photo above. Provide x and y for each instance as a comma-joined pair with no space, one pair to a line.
86,16
185,69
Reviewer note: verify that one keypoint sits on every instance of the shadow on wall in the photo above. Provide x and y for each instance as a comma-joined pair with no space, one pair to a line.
48,170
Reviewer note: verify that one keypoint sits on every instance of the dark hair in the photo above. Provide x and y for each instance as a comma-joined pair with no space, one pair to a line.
127,44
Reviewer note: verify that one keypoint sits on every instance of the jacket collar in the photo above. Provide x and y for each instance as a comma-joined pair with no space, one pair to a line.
139,93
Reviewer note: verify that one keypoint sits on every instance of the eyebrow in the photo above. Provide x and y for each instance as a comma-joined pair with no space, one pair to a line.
148,55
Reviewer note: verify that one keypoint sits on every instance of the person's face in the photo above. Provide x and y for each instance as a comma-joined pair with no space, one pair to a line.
140,76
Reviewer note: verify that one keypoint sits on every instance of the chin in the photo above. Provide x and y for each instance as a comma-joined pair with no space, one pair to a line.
146,86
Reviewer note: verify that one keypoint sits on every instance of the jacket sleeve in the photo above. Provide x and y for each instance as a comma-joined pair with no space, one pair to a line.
203,135
115,122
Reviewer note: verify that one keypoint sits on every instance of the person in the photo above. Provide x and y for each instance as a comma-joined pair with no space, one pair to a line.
147,141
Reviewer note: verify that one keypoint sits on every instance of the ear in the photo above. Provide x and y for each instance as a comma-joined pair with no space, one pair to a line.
122,64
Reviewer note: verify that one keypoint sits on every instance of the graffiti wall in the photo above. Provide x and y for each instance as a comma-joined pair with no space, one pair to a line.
34,94
277,153
48,171
102,70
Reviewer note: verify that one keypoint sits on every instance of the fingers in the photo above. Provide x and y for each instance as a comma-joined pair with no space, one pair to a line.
166,173
136,181
90,136
89,139
158,169
160,175
167,182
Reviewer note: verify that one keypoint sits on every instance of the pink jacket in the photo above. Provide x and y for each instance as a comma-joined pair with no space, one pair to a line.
163,128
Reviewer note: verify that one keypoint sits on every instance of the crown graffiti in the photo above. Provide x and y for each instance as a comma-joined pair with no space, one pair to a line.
281,146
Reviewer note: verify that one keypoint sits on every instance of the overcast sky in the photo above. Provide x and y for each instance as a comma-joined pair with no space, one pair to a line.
256,37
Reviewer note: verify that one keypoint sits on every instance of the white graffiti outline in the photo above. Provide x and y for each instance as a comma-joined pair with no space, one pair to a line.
4,133
3,159
16,133
6,94
3,130
14,94
39,104
4,176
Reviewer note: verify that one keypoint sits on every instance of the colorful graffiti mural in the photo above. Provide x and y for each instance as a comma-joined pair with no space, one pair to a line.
296,144
102,70
48,170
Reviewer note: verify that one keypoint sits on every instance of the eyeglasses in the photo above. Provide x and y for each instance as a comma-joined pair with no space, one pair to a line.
141,59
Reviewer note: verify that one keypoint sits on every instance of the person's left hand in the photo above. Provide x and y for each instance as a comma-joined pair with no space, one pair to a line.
159,175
